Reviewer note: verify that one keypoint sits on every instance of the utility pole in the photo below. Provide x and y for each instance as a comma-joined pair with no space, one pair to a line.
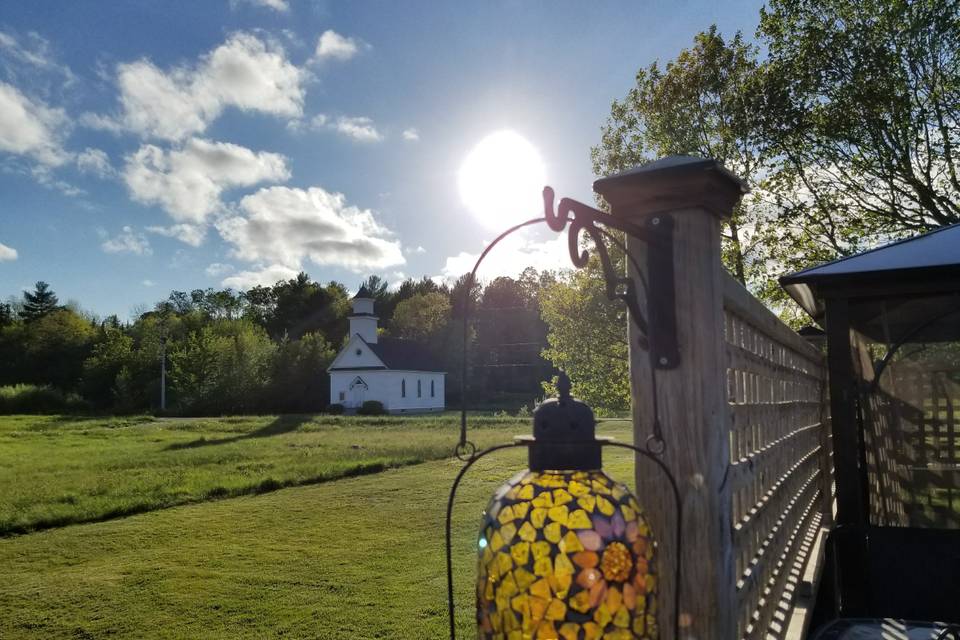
163,373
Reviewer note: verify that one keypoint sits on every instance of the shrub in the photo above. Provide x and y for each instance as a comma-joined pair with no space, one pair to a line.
371,408
31,398
335,409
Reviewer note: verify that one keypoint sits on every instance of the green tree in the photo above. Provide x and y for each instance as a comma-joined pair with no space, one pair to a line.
587,337
108,357
38,303
55,347
222,368
863,110
300,382
6,315
421,316
703,103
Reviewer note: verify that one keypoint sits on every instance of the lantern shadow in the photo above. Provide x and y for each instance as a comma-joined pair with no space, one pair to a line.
282,424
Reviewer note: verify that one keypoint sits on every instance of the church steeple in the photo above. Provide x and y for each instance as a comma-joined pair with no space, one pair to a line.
363,322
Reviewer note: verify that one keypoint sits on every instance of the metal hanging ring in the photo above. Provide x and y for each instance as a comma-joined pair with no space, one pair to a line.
465,451
655,445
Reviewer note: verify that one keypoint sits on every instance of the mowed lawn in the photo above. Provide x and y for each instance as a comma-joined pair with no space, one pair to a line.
359,557
58,470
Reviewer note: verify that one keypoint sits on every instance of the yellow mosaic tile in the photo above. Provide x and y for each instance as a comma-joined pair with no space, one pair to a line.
565,556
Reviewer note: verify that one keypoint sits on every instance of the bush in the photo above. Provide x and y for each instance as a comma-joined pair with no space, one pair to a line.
371,408
31,398
335,409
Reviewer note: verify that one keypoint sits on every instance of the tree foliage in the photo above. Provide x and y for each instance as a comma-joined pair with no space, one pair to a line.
587,338
421,316
703,103
38,303
864,113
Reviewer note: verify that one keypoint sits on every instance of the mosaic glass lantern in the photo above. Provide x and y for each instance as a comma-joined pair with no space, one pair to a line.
564,550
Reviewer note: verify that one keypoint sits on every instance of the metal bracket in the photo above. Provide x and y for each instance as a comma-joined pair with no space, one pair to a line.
661,294
659,326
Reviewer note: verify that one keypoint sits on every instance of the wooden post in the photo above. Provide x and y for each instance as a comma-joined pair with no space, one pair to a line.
692,397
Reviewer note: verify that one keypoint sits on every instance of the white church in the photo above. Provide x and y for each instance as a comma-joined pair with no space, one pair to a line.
400,374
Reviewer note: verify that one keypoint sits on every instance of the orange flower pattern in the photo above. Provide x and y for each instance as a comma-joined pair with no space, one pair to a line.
565,556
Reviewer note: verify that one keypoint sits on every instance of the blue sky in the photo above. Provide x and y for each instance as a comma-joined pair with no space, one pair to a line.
151,146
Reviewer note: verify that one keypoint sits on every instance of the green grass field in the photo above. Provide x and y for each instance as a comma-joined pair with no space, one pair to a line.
356,557
57,470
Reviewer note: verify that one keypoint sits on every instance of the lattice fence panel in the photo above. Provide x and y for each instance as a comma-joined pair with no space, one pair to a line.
779,454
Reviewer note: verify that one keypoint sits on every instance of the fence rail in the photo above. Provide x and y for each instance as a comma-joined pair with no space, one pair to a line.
742,410
780,468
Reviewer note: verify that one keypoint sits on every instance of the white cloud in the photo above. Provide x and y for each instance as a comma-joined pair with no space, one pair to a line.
284,227
188,182
190,234
244,72
24,57
396,279
96,162
31,128
276,5
510,257
148,283
43,174
218,269
418,250
127,241
7,254
359,128
333,45
265,276
411,135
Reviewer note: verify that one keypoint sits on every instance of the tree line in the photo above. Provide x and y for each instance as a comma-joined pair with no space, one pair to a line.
266,350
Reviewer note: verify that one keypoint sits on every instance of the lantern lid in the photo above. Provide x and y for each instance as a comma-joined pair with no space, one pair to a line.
564,433
564,418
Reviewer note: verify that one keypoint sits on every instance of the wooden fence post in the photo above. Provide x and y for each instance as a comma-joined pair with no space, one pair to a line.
692,397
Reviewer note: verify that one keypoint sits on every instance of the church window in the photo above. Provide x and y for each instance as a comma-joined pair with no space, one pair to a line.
431,389
359,352
403,388
419,394
343,396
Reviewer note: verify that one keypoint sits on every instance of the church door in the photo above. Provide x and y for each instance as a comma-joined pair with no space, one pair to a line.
358,390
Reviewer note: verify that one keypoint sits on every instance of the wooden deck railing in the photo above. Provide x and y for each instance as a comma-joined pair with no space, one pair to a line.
743,418
780,469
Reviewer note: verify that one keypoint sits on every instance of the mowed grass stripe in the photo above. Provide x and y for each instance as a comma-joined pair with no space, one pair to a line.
56,471
355,558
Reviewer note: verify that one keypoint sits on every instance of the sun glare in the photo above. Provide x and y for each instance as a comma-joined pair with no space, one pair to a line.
501,180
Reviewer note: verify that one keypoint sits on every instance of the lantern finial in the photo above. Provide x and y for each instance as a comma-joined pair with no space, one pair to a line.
563,386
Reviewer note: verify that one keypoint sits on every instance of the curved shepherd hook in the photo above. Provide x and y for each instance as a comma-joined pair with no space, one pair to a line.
584,219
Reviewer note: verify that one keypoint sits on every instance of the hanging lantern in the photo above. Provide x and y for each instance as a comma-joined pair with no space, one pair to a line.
564,550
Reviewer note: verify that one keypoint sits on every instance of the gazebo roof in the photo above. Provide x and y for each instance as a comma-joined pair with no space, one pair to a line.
929,258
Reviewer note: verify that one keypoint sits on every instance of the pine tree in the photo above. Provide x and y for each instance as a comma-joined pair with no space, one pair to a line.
39,303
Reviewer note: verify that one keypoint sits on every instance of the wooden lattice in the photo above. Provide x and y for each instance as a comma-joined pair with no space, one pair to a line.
780,465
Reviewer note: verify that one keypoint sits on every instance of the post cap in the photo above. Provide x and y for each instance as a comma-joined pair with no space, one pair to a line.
672,183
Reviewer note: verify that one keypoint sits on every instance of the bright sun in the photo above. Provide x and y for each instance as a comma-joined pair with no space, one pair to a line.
502,179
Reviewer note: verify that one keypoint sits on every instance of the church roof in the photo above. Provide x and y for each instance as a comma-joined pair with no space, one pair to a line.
400,355
405,354
364,293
